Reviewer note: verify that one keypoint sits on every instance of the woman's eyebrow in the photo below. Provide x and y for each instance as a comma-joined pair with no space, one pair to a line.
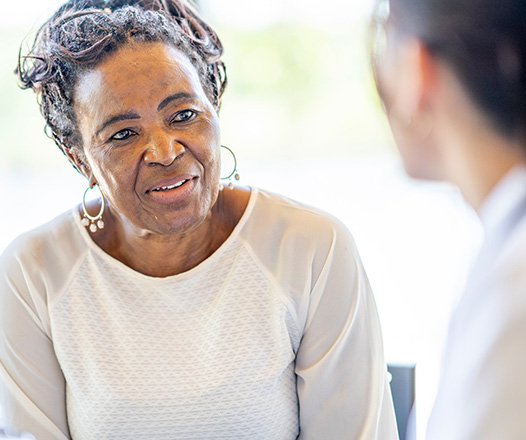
117,118
164,103
175,97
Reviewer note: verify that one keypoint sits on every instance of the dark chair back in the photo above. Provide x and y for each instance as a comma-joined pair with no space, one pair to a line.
403,391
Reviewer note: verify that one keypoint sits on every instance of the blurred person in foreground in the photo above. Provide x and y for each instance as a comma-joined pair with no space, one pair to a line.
169,307
452,77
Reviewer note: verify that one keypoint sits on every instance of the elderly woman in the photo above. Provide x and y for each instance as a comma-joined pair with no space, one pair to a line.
171,308
453,80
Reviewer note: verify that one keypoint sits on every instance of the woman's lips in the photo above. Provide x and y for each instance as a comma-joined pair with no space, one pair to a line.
172,190
169,187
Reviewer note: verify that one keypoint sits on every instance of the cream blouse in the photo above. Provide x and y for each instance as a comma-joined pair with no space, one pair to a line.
274,336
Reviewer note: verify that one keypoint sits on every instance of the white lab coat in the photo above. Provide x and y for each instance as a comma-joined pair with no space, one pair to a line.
482,393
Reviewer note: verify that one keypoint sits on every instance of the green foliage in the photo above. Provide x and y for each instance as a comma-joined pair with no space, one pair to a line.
299,89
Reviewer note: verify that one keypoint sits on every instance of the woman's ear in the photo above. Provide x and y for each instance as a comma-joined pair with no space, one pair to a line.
412,83
411,68
78,160
417,78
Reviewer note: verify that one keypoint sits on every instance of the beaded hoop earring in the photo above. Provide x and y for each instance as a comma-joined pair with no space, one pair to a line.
234,173
93,222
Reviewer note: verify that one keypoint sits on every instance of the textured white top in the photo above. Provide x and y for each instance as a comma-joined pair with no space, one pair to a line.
274,336
482,395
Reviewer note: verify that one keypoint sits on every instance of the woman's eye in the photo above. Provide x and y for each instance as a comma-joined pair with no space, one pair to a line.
184,116
122,135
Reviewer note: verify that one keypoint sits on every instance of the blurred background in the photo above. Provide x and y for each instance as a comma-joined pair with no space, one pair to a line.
302,116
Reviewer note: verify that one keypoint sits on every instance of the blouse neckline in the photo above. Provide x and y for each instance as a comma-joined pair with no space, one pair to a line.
93,247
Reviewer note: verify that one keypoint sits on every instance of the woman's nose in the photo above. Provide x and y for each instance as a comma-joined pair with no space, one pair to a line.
163,151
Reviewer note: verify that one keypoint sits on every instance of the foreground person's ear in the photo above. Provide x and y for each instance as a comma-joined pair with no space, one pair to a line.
414,72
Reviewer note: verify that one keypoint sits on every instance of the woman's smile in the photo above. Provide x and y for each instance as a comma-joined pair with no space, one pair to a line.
174,190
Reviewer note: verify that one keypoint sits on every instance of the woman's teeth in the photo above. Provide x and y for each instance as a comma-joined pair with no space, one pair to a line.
166,188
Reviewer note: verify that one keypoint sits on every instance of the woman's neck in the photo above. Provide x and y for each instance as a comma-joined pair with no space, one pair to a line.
476,164
472,154
165,255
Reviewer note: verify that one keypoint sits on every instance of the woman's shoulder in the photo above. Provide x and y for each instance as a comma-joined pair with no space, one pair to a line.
53,233
300,247
280,212
49,248
280,225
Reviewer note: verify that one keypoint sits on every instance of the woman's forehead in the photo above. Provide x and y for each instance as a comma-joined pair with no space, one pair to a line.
136,68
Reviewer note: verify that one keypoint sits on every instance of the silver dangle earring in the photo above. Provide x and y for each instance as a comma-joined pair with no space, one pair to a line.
234,173
94,223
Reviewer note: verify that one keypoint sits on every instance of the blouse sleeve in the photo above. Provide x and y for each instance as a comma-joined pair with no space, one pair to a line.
341,373
32,386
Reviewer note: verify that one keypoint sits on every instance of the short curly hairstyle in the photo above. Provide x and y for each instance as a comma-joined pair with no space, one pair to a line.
82,32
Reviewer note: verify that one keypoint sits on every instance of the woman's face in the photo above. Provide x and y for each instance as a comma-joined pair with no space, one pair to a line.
150,137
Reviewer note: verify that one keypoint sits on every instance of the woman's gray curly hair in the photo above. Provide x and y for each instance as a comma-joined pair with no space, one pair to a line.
82,32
